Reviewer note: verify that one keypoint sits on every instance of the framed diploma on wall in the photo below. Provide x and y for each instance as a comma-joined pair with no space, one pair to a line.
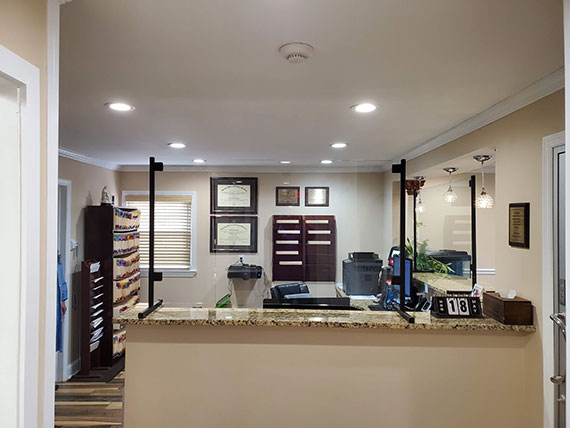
287,196
233,195
236,234
519,225
316,196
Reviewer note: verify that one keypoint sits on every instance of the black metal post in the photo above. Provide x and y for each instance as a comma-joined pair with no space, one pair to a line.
152,275
472,185
415,231
401,169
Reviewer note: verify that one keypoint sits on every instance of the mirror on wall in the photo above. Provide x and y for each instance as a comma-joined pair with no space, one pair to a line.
442,225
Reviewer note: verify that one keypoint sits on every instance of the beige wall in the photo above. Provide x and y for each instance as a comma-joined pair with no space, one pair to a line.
323,377
86,184
355,200
23,30
518,142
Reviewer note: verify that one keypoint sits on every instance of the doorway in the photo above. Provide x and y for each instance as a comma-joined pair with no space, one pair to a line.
20,231
559,287
63,369
554,281
10,230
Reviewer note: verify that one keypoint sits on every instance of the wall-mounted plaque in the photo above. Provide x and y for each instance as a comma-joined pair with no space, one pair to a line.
287,196
237,234
519,225
316,196
233,195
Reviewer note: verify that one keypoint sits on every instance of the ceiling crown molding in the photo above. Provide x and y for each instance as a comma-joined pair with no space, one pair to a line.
532,93
64,153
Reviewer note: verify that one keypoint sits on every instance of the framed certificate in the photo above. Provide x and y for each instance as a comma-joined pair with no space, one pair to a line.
519,225
287,196
316,196
237,234
233,195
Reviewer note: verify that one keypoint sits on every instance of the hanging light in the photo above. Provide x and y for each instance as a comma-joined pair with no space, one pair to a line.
420,208
484,200
450,196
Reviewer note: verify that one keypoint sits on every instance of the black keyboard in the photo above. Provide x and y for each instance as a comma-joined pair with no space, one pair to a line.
377,308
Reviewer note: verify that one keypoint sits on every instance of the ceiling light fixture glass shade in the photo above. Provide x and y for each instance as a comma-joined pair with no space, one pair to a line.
285,162
450,196
176,145
198,161
420,179
326,161
420,205
484,200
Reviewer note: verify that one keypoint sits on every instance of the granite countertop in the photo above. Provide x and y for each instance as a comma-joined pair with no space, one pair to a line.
308,318
442,283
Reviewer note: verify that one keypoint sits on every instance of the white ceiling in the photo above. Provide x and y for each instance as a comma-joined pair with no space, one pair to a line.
208,73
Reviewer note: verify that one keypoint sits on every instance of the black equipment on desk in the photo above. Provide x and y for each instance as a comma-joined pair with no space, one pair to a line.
360,273
244,271
458,261
311,303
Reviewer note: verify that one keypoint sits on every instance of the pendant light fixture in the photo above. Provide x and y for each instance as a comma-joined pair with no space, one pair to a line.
420,208
484,200
450,196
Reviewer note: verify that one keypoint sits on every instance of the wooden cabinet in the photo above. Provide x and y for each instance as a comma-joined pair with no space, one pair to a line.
288,248
304,248
111,241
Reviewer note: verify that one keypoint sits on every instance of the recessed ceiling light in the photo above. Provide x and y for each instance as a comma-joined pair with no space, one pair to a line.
198,161
364,108
285,162
120,106
177,145
339,145
326,161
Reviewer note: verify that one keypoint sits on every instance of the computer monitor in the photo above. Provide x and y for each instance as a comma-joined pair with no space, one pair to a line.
409,291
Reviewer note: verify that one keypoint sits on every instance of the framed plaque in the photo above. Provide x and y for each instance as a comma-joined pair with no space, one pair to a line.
233,195
236,234
519,225
316,196
287,196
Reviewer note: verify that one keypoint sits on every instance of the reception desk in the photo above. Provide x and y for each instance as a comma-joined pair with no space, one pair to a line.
290,368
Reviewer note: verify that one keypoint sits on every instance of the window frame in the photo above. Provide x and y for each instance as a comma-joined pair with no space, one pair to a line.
173,272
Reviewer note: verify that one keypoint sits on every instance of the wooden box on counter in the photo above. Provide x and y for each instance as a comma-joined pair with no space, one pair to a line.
515,311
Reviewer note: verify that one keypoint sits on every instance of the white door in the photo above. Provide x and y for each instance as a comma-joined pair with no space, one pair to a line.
559,286
10,250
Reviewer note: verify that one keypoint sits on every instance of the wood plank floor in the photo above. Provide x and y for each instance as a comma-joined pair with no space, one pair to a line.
90,404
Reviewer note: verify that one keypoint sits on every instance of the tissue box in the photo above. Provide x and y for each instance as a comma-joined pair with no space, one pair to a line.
515,311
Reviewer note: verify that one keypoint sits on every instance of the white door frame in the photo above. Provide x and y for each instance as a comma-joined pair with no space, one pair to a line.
47,416
27,77
66,255
549,143
566,18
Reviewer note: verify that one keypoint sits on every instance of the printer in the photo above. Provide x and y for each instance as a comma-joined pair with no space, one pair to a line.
361,273
244,271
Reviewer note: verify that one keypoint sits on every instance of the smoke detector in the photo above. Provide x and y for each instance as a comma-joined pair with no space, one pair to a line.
296,52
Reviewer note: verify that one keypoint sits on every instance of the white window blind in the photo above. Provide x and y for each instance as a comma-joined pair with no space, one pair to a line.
172,227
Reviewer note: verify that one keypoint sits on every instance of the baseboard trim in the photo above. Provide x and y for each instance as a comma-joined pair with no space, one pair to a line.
72,368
